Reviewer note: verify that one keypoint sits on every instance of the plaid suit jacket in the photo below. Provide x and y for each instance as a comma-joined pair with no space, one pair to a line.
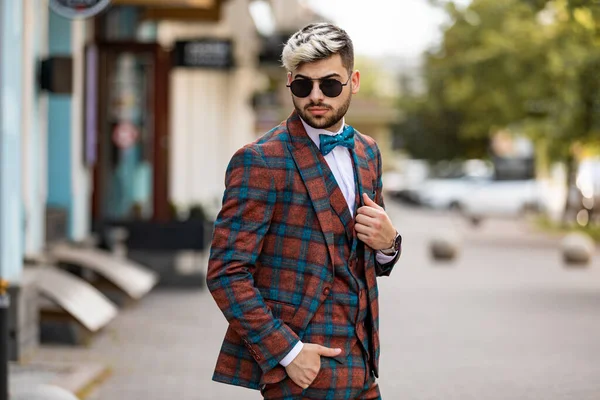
271,259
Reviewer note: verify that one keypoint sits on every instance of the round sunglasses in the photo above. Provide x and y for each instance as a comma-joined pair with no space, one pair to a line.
329,87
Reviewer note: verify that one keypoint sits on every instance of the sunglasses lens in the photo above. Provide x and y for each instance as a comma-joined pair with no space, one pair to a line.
301,87
331,87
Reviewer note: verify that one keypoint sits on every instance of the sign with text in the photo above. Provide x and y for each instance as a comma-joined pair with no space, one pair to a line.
204,53
75,9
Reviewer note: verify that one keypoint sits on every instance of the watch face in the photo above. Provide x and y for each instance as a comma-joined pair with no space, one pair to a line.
397,242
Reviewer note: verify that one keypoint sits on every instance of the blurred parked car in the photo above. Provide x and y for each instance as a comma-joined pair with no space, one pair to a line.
402,184
452,181
447,193
506,199
473,190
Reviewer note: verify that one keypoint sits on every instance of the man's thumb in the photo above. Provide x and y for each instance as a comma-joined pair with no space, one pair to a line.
370,202
327,352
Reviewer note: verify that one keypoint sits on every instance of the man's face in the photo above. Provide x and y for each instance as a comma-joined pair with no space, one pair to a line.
318,110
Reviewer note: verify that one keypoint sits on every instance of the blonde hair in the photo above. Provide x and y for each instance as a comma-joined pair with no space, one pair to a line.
315,42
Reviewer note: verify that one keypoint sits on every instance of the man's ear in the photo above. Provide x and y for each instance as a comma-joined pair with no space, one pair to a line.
355,81
289,78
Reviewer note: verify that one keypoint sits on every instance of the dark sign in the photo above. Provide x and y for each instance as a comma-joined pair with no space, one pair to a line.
78,8
271,48
204,53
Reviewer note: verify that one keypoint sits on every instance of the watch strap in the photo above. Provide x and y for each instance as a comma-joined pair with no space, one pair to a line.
395,246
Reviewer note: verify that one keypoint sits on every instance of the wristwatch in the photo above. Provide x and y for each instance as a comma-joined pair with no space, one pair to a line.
395,246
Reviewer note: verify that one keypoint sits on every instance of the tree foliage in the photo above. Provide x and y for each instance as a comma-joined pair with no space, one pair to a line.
529,64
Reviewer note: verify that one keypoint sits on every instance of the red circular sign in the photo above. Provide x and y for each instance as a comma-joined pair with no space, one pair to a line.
74,9
125,135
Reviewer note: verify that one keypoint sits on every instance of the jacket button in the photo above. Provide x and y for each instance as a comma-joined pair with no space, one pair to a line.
326,291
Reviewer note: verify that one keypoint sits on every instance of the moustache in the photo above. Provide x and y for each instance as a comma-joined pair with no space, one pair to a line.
322,105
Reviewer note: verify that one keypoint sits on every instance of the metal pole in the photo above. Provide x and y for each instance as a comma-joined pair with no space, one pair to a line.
4,310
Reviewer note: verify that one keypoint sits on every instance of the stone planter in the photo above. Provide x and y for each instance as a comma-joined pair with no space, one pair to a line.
445,246
577,249
160,246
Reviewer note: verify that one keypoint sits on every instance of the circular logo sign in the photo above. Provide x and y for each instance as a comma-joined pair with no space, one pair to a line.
75,9
125,135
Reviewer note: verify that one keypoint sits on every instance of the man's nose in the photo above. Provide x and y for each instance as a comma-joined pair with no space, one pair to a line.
315,93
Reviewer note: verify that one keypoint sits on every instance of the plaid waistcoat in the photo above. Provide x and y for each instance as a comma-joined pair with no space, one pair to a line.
346,308
275,254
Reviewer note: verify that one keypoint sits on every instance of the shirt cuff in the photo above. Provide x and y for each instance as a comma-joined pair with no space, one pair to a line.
287,360
384,259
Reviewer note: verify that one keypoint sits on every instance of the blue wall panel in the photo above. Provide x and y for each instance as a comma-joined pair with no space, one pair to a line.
60,182
11,210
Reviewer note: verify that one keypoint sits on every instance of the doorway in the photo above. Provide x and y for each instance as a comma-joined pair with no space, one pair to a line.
130,175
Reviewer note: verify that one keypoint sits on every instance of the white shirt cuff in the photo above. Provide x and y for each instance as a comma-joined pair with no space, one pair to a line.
384,259
292,354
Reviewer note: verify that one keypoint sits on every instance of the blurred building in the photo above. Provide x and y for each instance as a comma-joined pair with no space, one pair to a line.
114,116
132,114
172,104
45,182
211,108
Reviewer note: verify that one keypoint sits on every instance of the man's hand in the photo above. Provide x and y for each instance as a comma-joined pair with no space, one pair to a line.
373,226
307,364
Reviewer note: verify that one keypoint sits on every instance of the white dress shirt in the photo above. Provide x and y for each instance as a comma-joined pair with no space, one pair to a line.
339,161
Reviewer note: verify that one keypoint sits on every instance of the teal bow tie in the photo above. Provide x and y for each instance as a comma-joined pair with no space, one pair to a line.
329,142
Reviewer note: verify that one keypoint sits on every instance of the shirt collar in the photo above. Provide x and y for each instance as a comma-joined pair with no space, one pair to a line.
314,133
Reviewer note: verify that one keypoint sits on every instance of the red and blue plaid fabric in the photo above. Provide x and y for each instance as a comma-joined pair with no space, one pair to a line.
348,375
350,380
274,252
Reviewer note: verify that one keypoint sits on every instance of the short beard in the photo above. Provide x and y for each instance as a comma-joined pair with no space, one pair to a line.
321,122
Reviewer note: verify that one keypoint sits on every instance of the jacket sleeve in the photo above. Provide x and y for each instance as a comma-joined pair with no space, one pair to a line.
238,237
382,269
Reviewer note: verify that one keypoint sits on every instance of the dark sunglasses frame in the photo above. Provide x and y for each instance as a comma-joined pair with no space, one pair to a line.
328,86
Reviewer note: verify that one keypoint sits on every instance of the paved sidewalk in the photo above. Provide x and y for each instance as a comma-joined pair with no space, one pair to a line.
162,348
505,321
79,378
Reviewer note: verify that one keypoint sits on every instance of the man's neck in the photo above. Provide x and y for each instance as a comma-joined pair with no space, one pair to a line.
333,129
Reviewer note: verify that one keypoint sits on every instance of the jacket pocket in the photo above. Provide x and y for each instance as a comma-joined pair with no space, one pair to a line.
283,311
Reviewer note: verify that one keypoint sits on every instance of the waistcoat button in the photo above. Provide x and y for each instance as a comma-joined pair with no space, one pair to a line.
326,291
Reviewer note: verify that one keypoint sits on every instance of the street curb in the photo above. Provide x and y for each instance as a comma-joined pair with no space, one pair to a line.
81,379
93,383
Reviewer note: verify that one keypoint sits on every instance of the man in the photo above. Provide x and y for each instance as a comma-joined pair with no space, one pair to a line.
301,236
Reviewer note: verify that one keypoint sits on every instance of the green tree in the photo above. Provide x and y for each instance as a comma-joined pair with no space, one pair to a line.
530,64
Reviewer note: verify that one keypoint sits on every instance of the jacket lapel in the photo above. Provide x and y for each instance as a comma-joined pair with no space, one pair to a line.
364,182
309,162
339,204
